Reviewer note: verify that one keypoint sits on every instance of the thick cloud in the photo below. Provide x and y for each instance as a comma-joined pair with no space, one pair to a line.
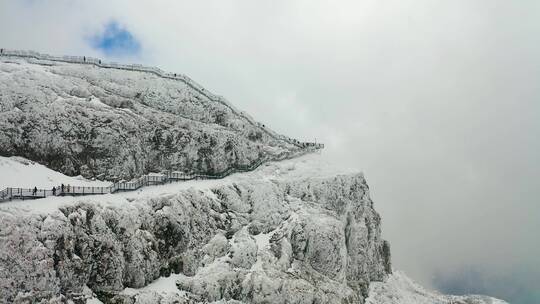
437,101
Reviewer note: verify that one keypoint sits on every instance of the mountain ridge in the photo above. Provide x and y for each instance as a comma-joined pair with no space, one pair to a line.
293,231
69,113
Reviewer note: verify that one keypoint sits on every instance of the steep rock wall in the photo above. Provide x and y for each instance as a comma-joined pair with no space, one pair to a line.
312,240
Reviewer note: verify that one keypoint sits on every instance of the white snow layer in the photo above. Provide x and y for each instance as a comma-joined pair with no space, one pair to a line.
163,286
15,174
396,289
93,301
18,172
400,289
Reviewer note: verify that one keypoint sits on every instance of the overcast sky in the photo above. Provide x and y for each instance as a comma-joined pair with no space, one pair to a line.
438,102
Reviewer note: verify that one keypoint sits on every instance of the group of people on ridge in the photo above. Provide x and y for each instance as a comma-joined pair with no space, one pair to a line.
62,189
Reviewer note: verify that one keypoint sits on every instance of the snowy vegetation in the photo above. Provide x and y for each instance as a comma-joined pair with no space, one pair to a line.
294,231
82,119
260,237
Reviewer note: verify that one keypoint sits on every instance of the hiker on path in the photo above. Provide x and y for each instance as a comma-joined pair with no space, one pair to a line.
62,188
34,191
54,191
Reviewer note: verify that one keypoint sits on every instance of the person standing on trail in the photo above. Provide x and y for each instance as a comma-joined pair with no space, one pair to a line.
62,188
54,191
34,191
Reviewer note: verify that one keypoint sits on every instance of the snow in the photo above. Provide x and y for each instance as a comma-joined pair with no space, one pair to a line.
263,244
251,252
18,172
400,289
262,240
173,115
162,285
93,301
92,297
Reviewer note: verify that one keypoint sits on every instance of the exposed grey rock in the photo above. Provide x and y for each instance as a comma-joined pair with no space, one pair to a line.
318,242
113,124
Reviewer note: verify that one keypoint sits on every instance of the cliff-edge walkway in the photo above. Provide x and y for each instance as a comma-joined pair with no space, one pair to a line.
146,180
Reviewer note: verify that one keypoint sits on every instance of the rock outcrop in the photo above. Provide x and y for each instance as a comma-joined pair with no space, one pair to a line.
399,289
306,240
82,119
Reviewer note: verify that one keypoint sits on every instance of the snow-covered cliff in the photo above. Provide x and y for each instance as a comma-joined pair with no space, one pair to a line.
271,236
297,231
294,231
112,123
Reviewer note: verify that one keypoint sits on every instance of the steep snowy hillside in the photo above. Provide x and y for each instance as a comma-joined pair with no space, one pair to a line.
112,123
399,289
20,172
276,235
296,231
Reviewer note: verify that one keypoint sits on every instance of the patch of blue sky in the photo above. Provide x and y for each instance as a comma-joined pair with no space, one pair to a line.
116,40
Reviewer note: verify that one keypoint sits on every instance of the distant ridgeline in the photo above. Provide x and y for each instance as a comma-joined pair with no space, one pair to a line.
154,70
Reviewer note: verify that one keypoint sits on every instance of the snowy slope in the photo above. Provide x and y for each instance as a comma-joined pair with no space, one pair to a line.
287,232
399,289
311,165
280,225
396,289
295,231
81,119
18,172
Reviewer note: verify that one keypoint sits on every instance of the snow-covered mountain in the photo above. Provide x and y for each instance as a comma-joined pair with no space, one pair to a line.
298,230
397,288
98,121
270,236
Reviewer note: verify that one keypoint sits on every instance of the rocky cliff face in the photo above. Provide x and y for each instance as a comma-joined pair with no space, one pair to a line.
289,232
250,240
112,123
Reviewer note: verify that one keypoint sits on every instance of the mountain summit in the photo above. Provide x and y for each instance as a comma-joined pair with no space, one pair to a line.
292,229
79,115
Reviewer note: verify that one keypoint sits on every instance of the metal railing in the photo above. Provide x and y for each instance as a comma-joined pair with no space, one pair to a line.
156,71
145,180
